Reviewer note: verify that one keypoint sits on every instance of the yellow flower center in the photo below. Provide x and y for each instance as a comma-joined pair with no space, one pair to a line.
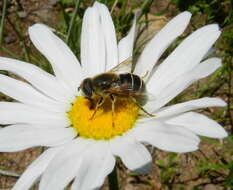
104,125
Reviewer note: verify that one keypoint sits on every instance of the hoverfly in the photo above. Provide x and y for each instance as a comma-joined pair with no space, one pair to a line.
111,84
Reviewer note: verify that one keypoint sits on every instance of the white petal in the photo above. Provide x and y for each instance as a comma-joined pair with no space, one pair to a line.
159,43
125,45
199,124
97,163
184,58
182,82
109,36
32,173
132,153
206,67
92,43
24,92
64,166
40,79
190,105
167,137
65,65
12,113
20,137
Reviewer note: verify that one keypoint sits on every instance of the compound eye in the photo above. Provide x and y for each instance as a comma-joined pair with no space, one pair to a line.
87,87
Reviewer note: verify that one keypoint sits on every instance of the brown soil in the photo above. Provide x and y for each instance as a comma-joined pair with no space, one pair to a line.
184,172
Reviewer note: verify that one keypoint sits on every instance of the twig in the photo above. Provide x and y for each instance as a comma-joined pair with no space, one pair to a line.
66,18
72,21
2,20
8,173
229,95
114,5
7,51
21,38
145,8
113,180
19,5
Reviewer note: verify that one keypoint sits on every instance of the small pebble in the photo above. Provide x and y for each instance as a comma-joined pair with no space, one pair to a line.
9,39
53,2
210,187
22,14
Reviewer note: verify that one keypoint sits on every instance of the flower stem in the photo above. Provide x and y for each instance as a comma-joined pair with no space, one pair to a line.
112,180
72,21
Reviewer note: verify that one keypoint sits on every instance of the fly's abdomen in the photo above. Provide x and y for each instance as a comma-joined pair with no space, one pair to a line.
126,81
132,82
134,86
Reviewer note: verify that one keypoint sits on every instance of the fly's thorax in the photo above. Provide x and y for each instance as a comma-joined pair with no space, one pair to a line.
103,82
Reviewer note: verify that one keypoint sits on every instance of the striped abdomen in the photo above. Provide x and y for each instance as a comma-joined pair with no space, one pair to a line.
134,86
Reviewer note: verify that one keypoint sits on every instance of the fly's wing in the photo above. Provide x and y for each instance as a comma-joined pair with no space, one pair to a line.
123,67
151,97
143,98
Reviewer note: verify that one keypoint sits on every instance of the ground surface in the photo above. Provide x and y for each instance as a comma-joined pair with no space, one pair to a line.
210,168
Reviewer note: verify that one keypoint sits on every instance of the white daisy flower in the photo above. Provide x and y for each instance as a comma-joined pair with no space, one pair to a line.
50,112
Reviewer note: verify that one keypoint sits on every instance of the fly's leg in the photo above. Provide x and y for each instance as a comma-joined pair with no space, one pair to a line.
92,104
113,100
99,103
146,112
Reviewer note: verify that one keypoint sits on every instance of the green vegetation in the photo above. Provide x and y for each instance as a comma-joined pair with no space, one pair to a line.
213,164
